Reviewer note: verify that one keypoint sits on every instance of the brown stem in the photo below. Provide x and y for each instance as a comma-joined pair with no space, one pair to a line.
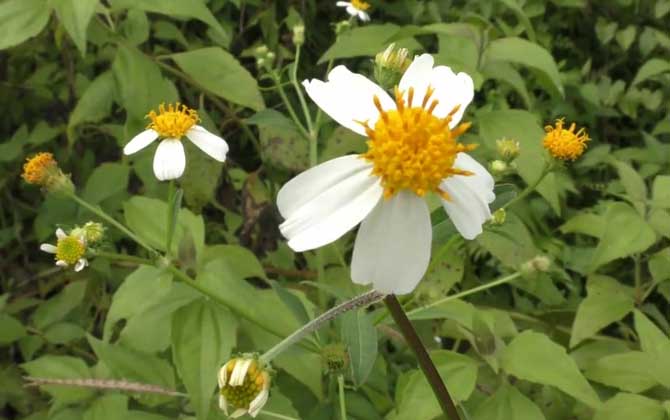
426,364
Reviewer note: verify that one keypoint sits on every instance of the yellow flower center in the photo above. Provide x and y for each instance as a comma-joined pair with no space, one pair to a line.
411,148
173,121
565,144
241,396
37,168
360,5
70,249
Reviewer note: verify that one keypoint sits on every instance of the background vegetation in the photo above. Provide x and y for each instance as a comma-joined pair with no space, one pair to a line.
588,339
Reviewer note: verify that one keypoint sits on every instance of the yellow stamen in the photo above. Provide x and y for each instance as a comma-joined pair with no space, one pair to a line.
173,121
410,148
70,249
565,144
36,170
360,5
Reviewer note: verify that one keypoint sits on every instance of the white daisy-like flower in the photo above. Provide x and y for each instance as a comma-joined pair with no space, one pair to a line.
412,151
69,250
356,8
171,124
244,386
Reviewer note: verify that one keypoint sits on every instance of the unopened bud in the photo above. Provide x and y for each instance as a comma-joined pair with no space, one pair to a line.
335,358
539,264
390,65
508,148
298,35
498,167
499,217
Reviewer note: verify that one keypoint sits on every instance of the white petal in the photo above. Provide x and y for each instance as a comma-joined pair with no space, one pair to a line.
363,16
352,10
348,97
61,263
238,413
449,89
392,249
51,249
239,372
60,233
258,403
223,404
208,142
468,207
169,160
80,265
343,4
140,141
223,375
323,203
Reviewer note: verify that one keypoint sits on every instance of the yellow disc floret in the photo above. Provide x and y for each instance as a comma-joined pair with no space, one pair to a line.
565,144
173,121
360,5
254,382
70,249
411,148
38,168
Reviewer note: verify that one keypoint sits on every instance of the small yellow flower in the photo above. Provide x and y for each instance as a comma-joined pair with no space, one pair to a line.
39,168
565,144
244,386
69,250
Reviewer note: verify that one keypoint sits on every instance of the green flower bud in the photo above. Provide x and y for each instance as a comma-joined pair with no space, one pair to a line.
390,65
335,358
298,35
508,148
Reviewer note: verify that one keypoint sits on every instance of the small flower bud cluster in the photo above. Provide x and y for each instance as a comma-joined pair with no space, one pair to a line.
264,57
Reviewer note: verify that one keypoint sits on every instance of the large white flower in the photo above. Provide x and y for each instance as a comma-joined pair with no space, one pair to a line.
171,124
69,250
356,8
412,151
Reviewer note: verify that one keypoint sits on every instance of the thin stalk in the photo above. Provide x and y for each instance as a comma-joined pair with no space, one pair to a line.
530,188
343,402
425,362
289,108
359,301
170,218
109,219
298,91
124,257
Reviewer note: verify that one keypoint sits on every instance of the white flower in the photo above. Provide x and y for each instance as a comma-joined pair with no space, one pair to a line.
69,250
243,386
171,124
356,8
412,151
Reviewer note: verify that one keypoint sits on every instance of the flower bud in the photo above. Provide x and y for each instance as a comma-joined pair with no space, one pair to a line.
298,34
508,148
499,217
390,65
498,167
335,358
342,27
539,264
244,386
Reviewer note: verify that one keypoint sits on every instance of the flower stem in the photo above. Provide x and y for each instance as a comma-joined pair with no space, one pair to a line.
124,257
313,325
425,362
530,188
343,402
298,91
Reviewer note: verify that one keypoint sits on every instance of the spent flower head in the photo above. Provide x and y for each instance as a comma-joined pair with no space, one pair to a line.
335,357
390,65
171,123
42,169
69,251
244,386
565,144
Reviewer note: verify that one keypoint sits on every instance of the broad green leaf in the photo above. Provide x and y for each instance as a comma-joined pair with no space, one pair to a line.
282,145
342,142
633,183
507,404
219,72
10,329
61,367
625,233
59,306
366,41
656,344
21,19
534,357
632,371
607,301
108,407
527,53
652,67
203,335
105,181
511,243
586,223
661,192
64,332
605,30
360,335
630,406
507,73
96,102
625,37
75,16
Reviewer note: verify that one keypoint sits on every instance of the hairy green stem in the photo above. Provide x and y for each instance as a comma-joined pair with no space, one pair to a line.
343,402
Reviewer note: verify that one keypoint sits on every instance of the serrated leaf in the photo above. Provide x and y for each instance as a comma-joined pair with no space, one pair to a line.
506,404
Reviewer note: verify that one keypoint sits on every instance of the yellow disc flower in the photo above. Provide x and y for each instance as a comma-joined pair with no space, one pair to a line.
39,168
69,250
171,123
356,8
565,144
244,387
412,151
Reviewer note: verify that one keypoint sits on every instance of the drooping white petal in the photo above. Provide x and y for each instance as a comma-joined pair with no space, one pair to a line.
343,4
61,263
223,375
392,249
449,89
210,143
239,372
238,413
60,233
323,203
348,97
468,207
223,404
363,16
140,141
51,249
352,10
80,265
169,160
258,403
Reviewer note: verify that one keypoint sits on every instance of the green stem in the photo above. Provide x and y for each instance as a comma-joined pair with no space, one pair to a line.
289,107
530,188
425,362
123,257
276,415
343,402
109,219
298,91
170,219
359,301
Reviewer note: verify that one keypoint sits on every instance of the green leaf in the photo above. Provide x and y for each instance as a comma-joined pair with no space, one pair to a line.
105,181
656,344
342,142
10,329
534,357
59,306
521,51
61,367
650,68
282,145
633,184
219,72
96,102
632,371
203,335
630,406
661,192
616,242
607,301
360,335
75,16
108,407
586,223
506,404
365,41
20,20
626,37
511,243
